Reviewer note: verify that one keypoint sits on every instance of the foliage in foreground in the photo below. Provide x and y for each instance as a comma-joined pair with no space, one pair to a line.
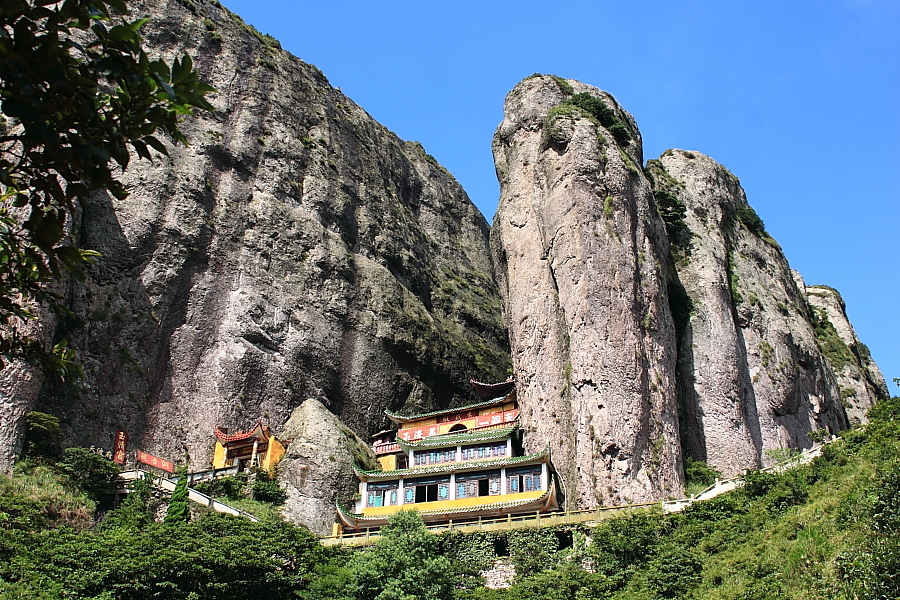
78,94
827,530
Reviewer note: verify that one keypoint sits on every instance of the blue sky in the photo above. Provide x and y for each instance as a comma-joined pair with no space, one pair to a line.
799,99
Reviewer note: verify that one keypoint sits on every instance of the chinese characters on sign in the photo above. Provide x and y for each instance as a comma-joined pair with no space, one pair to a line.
101,452
120,446
154,461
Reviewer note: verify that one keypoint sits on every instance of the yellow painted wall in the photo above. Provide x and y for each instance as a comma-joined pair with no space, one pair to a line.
273,456
268,461
453,504
218,461
388,462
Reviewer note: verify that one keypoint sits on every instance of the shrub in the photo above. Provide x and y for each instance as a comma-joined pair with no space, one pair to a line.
179,511
231,488
18,512
266,489
403,565
41,435
885,410
830,343
91,472
531,550
886,500
564,582
606,116
133,512
672,210
564,86
758,483
673,572
698,472
750,219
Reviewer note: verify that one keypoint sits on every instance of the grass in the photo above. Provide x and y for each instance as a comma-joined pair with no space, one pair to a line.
61,501
261,510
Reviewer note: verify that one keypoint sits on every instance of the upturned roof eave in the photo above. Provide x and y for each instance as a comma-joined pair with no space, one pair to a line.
400,419
259,431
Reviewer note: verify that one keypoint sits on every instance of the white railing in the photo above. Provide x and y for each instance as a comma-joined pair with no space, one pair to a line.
168,485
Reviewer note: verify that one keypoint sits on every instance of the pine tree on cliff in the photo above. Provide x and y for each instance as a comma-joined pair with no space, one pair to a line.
178,511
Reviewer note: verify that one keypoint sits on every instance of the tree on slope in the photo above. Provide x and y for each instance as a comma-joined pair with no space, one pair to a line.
78,94
404,564
179,511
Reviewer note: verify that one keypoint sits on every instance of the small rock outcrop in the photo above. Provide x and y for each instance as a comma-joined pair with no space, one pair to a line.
317,467
581,256
859,378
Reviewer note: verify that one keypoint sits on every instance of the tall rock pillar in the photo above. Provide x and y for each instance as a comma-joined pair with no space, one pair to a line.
581,255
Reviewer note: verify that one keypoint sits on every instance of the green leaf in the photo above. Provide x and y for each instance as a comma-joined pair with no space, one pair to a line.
121,32
119,6
141,149
156,145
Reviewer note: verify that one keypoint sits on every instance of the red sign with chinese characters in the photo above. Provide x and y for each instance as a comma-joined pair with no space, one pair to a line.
120,446
153,461
496,418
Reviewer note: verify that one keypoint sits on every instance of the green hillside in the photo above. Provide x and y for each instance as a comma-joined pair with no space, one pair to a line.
826,530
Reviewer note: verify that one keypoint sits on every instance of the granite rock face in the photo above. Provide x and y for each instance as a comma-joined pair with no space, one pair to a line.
317,468
751,376
859,378
581,255
296,249
649,311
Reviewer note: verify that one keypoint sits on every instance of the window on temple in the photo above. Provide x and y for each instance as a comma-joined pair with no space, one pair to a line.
473,485
427,489
523,479
484,451
433,457
381,494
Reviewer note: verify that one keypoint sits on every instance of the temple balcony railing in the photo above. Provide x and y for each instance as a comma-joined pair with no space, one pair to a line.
389,448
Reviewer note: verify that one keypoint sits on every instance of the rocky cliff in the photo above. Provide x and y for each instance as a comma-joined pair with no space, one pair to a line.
296,249
300,264
751,375
649,310
582,258
860,381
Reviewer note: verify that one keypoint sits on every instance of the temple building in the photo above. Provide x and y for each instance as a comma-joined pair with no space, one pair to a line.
457,464
253,449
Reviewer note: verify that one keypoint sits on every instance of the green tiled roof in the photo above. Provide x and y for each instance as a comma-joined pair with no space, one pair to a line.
455,439
453,467
436,413
455,511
